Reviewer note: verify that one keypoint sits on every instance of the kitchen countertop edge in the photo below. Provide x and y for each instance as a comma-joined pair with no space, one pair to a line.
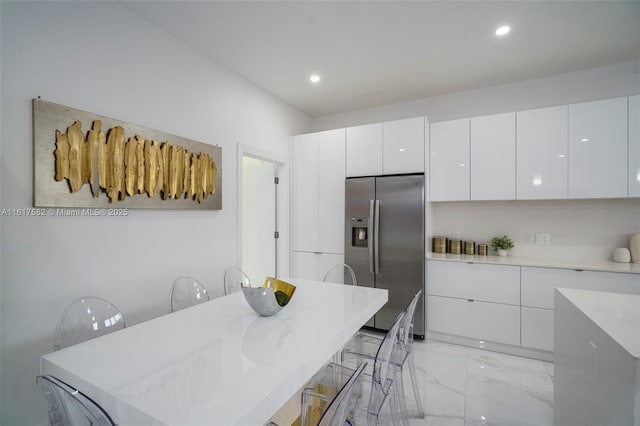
537,262
614,313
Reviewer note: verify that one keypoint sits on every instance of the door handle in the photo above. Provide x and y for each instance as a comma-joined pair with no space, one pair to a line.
376,236
370,243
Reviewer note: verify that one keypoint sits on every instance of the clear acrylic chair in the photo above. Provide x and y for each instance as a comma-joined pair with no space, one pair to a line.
340,274
87,318
329,398
67,406
383,377
234,279
186,292
362,346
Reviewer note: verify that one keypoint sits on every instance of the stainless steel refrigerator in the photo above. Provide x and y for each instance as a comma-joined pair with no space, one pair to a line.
384,241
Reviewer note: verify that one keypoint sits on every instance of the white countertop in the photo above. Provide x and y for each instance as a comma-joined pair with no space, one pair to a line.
217,363
586,265
616,314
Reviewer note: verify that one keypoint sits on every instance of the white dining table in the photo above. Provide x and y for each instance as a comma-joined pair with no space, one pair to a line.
217,363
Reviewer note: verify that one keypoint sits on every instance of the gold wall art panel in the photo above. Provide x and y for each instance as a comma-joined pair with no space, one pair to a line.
87,160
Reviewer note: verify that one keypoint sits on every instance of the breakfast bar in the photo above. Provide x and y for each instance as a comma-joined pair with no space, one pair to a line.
597,358
217,363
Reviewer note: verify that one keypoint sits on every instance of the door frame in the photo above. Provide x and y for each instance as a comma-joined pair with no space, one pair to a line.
282,172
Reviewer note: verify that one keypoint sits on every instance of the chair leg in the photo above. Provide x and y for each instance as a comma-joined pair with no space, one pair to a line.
414,384
393,407
400,393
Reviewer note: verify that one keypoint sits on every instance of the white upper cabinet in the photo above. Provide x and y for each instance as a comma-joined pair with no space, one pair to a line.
317,190
493,157
386,148
364,150
331,175
541,161
634,146
449,160
304,190
598,149
403,146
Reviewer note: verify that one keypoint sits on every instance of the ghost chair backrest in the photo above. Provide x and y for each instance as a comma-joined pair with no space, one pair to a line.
87,318
186,292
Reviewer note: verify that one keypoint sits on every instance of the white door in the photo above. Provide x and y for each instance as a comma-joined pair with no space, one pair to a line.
259,215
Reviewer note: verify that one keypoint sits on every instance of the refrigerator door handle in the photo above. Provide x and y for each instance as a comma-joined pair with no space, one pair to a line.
370,226
376,237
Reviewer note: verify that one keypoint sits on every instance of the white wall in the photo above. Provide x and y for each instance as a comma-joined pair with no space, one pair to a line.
588,229
99,57
579,229
597,83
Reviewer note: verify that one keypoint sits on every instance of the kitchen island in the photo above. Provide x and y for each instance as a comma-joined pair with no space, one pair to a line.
597,358
217,363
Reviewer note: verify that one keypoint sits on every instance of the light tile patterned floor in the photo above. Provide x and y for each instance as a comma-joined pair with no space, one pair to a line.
467,386
463,386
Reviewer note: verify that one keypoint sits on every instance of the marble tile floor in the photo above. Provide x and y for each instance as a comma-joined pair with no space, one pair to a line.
471,387
463,386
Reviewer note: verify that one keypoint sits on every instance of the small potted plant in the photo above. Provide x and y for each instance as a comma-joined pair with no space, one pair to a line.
501,244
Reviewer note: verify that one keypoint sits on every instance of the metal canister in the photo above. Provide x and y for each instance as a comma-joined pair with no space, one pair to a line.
455,246
439,244
469,247
482,249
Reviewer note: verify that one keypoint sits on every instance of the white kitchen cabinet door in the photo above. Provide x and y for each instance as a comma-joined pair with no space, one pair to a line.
449,160
331,177
634,146
403,146
327,261
475,281
538,284
304,265
541,154
364,150
313,266
598,149
494,322
493,157
304,190
537,328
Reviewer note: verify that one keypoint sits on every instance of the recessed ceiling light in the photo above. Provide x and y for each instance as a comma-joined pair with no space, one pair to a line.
503,30
315,78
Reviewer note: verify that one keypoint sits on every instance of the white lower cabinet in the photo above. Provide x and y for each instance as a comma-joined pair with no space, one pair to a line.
537,286
538,283
474,300
494,322
477,281
313,266
507,304
536,328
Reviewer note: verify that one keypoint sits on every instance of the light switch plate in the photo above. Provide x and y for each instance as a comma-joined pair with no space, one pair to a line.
542,239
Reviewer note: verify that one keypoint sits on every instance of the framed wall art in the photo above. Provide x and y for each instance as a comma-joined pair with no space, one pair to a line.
86,160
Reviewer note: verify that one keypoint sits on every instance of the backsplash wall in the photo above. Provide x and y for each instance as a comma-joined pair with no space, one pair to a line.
578,229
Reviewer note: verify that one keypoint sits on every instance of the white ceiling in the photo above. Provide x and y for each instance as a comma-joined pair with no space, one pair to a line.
372,53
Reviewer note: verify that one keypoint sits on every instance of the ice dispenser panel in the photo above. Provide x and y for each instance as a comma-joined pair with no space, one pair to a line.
359,232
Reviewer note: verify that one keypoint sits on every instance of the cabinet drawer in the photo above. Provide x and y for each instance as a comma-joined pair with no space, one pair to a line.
538,283
489,283
537,328
479,320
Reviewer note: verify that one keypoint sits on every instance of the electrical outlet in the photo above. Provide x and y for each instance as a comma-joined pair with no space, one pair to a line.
542,239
